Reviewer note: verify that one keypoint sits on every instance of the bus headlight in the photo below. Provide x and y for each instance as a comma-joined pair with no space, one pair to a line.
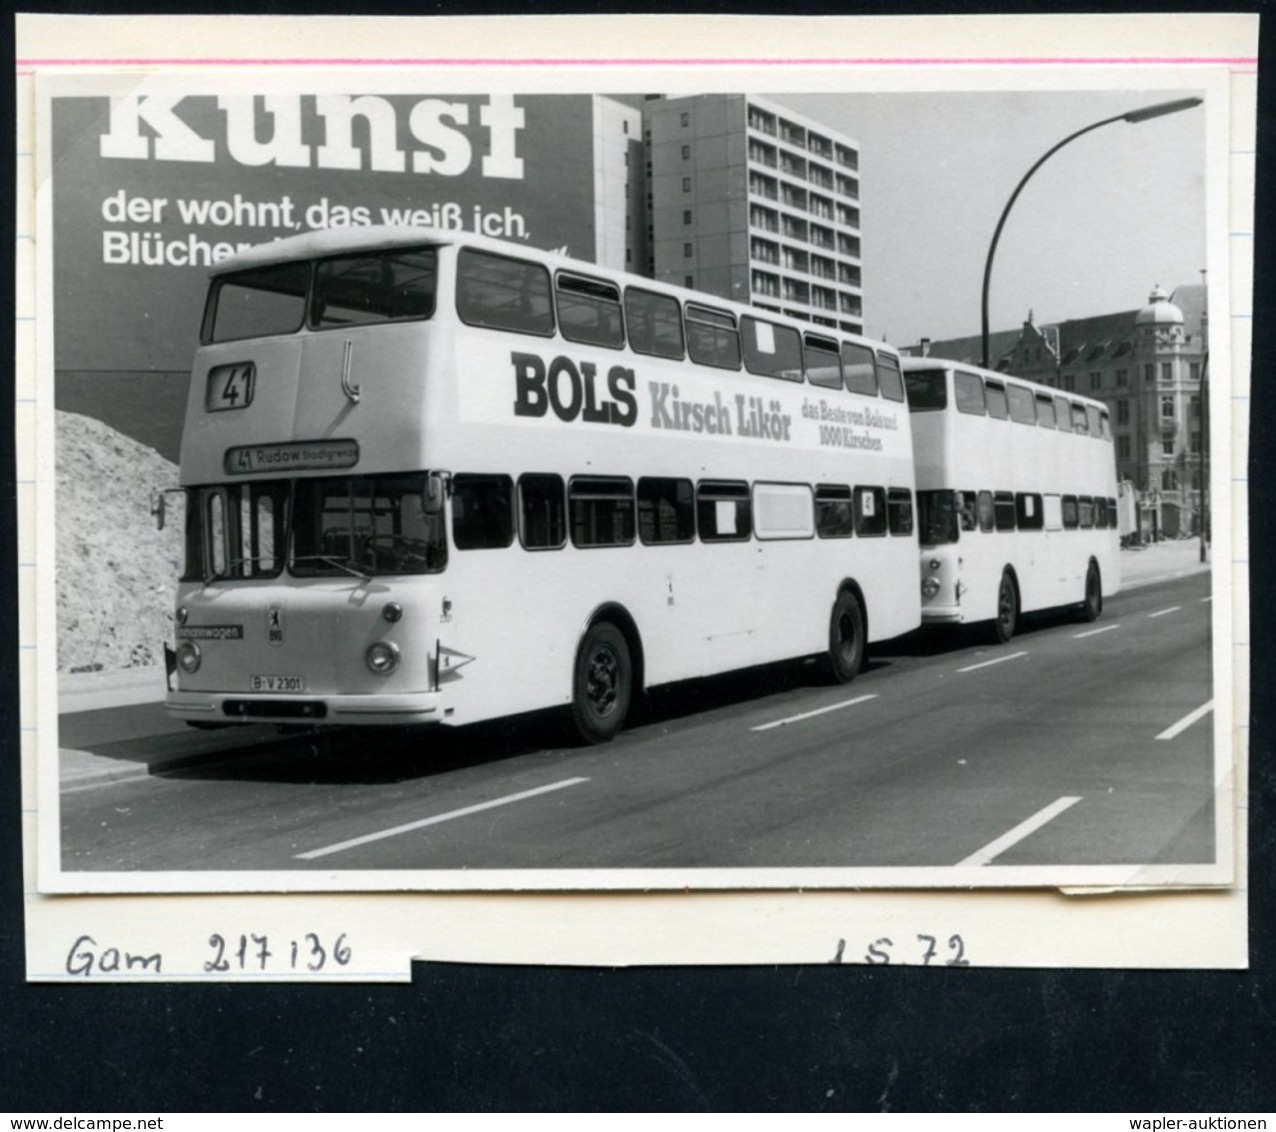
930,587
382,657
188,657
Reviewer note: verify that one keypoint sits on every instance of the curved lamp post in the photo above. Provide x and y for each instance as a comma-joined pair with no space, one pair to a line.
1157,111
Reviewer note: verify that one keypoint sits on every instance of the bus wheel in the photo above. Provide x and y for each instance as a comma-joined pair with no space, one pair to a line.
603,684
1093,604
1007,609
846,639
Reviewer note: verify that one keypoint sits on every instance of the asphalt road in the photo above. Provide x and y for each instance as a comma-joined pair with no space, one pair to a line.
1060,748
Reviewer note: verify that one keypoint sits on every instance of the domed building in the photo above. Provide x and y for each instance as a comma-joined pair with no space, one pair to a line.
1148,365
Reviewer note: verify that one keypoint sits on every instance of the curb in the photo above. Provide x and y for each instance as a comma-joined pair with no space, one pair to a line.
99,770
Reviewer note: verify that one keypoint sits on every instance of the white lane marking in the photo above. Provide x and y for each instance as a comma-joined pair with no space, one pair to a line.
1163,612
986,663
1094,632
1022,830
410,826
1205,599
1187,721
808,714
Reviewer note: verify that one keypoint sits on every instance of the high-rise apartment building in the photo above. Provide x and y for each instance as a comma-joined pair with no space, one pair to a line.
753,202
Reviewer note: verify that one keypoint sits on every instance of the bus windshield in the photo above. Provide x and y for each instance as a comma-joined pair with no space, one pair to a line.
365,525
936,517
927,390
394,285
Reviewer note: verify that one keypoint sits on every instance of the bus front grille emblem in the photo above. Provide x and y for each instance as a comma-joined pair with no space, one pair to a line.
275,624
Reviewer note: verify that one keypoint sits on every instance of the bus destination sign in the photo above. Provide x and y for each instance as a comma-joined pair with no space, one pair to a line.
304,455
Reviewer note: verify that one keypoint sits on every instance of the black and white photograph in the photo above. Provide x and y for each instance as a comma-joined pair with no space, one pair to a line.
636,482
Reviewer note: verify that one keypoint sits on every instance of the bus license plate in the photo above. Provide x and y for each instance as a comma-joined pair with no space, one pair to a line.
276,683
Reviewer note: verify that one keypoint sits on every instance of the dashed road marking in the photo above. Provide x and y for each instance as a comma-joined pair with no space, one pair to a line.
986,663
1022,830
1187,721
1094,632
414,825
809,714
1163,612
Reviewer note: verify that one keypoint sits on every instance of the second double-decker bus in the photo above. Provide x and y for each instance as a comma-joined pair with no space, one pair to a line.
437,478
1016,494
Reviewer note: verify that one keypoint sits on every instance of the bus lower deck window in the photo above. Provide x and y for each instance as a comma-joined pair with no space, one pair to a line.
666,510
542,521
1028,512
899,508
602,510
723,512
482,511
1004,510
834,515
870,511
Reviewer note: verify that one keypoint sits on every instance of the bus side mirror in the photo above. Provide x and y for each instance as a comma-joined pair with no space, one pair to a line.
159,503
435,493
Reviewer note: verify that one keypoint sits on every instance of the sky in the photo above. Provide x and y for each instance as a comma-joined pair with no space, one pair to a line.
1099,224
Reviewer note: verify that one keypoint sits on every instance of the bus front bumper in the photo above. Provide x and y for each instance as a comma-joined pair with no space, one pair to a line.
227,708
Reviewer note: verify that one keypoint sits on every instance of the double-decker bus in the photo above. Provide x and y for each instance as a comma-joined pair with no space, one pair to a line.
439,478
1016,496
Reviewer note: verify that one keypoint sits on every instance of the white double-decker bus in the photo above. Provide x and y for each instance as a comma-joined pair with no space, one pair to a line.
1016,494
439,478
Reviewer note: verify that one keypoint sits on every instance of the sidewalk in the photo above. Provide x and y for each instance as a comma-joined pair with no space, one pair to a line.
1161,561
88,691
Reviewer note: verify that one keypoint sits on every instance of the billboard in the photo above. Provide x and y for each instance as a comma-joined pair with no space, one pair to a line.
151,190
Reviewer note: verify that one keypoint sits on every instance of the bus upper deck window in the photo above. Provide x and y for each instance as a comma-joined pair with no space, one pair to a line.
968,390
712,337
1062,415
888,377
771,350
823,366
654,324
385,286
1093,421
589,311
858,369
1080,419
1045,410
258,302
1023,409
998,405
503,293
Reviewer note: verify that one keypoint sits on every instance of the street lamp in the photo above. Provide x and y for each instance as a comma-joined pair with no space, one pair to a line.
1132,116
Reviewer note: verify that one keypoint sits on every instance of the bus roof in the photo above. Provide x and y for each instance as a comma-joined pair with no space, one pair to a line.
329,241
378,237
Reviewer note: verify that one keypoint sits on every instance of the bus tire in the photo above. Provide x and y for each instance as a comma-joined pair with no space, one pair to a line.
602,685
1004,624
846,639
1092,606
